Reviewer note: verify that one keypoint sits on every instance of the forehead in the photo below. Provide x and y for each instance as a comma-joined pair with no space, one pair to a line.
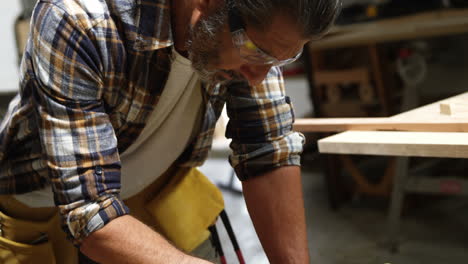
281,39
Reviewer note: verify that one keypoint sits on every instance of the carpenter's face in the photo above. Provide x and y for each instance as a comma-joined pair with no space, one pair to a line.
216,59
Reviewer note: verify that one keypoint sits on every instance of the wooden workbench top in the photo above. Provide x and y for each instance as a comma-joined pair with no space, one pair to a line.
397,143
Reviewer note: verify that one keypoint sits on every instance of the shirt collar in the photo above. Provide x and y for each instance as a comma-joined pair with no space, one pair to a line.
153,25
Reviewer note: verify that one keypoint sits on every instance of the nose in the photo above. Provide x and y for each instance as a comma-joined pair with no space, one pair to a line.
255,74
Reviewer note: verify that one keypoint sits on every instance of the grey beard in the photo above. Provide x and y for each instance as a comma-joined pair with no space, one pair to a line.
204,47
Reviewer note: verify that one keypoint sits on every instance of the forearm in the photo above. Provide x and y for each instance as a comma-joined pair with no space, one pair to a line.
276,206
127,240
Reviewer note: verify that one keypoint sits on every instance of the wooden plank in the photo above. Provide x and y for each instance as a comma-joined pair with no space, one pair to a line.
356,75
426,118
387,34
419,144
344,108
435,16
381,124
432,24
459,104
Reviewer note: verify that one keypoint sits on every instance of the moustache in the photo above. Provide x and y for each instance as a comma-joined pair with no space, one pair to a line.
228,76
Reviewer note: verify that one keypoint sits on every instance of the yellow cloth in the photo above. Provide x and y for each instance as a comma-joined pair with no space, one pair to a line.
23,225
196,203
186,207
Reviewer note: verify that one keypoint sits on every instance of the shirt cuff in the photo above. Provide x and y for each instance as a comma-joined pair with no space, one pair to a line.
245,172
262,158
92,216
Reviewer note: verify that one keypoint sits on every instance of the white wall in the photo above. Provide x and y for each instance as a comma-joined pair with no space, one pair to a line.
297,88
8,58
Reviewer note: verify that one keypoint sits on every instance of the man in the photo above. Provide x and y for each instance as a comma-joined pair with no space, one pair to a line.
104,83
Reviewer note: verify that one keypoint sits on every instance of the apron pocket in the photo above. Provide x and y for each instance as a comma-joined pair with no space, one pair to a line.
24,241
186,207
12,252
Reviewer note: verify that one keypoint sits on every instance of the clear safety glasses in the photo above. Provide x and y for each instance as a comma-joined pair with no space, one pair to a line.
247,49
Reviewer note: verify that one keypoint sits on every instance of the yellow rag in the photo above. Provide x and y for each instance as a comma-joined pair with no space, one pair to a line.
186,207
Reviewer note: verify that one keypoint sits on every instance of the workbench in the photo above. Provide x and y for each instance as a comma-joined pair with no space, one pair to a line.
370,35
410,144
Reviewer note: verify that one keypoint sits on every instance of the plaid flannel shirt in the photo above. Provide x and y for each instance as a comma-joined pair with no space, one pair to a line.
91,75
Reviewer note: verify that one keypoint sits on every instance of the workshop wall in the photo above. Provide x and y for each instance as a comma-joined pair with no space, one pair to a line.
8,60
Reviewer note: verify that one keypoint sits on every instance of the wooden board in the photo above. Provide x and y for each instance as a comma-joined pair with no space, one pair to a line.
420,144
434,15
459,105
356,75
387,124
430,24
393,143
424,119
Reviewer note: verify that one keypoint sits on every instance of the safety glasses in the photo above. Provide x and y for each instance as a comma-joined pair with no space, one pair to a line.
247,49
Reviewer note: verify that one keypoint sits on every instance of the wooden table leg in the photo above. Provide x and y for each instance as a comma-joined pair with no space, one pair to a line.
396,204
381,188
332,181
378,78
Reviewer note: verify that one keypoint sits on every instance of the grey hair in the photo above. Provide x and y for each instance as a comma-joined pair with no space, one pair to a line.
314,17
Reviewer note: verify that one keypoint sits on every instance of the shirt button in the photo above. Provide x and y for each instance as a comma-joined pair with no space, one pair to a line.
98,170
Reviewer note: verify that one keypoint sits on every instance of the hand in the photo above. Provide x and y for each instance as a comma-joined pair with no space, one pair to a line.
127,240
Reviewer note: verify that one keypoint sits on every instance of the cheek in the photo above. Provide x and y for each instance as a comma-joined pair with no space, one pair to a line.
229,58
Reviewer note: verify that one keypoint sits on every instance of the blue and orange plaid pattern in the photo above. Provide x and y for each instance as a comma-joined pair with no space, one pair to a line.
92,72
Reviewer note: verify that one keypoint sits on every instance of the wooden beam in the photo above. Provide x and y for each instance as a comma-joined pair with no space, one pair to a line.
379,124
378,78
363,185
384,143
432,24
356,75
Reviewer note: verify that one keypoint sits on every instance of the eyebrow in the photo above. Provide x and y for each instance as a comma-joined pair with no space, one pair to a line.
237,23
269,53
266,51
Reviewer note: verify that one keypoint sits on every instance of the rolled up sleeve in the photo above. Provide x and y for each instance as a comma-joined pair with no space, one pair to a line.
77,137
260,125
